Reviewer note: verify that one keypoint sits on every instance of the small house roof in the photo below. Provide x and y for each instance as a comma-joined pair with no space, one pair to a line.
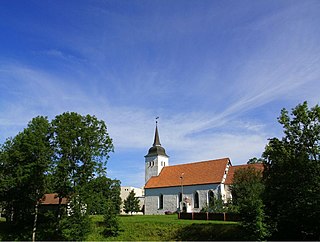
52,199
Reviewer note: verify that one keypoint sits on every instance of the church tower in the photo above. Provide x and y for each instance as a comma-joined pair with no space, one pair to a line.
156,158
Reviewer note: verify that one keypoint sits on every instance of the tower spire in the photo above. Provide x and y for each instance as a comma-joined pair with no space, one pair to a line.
156,135
156,159
156,148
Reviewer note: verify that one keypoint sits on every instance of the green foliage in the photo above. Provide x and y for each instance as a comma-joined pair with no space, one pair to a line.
131,204
24,161
82,145
62,156
110,219
292,176
48,226
76,226
98,191
217,206
255,160
247,190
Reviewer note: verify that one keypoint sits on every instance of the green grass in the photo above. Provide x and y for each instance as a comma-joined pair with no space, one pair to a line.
167,227
159,228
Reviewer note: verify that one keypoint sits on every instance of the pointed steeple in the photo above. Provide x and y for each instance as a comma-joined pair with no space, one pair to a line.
156,148
156,137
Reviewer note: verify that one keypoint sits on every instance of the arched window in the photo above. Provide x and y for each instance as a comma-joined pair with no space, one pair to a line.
210,198
196,200
160,201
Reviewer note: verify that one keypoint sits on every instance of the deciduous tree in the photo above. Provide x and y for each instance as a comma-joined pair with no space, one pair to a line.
100,190
247,190
62,157
82,145
25,159
293,176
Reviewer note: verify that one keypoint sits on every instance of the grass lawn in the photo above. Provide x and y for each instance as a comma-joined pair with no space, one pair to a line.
167,227
160,227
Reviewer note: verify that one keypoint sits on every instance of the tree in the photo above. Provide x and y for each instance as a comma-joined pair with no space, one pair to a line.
100,190
292,176
25,160
110,219
77,224
82,145
131,204
217,205
255,160
62,156
103,197
247,190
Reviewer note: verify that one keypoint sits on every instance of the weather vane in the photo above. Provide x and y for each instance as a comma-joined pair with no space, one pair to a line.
157,120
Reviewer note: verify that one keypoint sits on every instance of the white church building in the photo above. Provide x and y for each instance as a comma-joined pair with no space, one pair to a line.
185,187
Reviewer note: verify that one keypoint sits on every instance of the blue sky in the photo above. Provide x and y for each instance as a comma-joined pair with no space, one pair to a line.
217,73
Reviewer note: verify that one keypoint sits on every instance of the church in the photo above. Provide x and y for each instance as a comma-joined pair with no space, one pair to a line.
185,187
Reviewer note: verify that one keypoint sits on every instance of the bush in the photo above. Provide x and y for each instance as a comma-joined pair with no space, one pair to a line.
76,226
110,220
168,212
247,190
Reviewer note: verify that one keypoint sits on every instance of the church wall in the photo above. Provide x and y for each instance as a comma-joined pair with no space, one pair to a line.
154,165
170,197
228,192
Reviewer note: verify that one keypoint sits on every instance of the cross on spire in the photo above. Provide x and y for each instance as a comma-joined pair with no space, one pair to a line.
156,135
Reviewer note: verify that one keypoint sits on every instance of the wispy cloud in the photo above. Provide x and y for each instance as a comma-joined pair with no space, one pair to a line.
212,72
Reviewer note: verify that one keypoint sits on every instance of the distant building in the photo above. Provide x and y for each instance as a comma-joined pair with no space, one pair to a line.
186,187
124,192
50,201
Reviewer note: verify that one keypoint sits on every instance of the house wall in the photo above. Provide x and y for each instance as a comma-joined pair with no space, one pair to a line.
170,197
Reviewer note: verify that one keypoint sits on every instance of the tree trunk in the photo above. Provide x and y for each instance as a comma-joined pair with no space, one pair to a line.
59,209
35,222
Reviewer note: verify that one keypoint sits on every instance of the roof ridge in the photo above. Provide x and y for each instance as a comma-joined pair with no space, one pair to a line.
249,164
196,162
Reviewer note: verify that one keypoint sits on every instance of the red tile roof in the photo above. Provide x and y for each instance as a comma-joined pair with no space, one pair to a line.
52,199
204,172
232,169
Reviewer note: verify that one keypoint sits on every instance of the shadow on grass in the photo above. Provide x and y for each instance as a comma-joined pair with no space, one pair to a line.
205,232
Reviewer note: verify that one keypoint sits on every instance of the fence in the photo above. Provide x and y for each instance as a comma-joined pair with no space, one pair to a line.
210,216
